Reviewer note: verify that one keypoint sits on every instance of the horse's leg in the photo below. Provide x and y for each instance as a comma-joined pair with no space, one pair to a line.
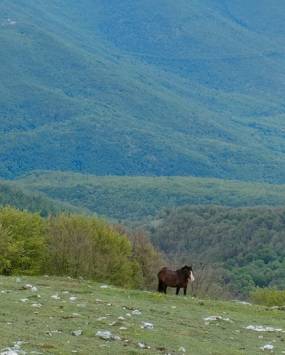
160,286
165,288
177,290
185,291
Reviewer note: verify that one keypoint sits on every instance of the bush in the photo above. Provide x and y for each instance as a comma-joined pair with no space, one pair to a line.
87,246
22,242
268,297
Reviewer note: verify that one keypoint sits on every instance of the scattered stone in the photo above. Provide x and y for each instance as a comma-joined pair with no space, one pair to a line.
216,318
242,302
107,335
142,345
261,328
37,305
123,328
9,351
182,349
104,286
101,318
136,312
121,318
72,298
77,333
147,325
269,347
34,289
24,300
55,297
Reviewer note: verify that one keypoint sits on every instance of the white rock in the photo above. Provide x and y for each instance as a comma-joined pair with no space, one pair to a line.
36,305
9,352
121,318
216,318
261,328
101,318
136,312
24,300
77,333
242,302
182,349
55,297
107,335
104,286
269,347
72,298
142,345
147,325
34,289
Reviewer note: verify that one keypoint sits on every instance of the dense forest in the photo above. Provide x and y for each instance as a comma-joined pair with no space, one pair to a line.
134,198
12,195
143,88
245,245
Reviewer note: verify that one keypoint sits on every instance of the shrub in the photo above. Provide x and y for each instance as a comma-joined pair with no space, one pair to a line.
89,247
268,297
22,242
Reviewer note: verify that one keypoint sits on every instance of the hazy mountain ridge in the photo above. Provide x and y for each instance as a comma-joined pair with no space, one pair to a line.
77,95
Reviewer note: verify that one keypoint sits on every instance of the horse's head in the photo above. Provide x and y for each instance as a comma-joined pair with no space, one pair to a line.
188,272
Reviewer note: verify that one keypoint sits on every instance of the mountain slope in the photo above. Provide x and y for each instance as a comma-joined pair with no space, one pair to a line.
12,195
136,198
109,88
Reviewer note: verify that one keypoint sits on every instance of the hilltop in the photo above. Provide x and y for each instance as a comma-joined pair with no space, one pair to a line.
43,320
141,88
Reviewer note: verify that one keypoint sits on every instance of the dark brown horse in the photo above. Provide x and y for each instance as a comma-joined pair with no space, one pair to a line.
178,278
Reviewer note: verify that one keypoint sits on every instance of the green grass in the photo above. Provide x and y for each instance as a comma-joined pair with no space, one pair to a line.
139,197
178,321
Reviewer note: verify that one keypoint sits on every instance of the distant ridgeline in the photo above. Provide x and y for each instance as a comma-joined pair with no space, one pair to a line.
246,244
137,198
143,88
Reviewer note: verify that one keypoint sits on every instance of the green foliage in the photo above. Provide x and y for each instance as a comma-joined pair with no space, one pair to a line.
22,244
12,195
137,198
149,259
268,297
87,246
75,245
247,243
181,92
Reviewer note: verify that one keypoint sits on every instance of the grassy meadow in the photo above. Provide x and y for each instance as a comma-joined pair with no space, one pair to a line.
42,321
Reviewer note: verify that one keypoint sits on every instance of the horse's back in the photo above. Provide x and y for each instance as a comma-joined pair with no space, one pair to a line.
168,276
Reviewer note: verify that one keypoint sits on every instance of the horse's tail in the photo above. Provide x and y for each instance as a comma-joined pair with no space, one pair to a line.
160,286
